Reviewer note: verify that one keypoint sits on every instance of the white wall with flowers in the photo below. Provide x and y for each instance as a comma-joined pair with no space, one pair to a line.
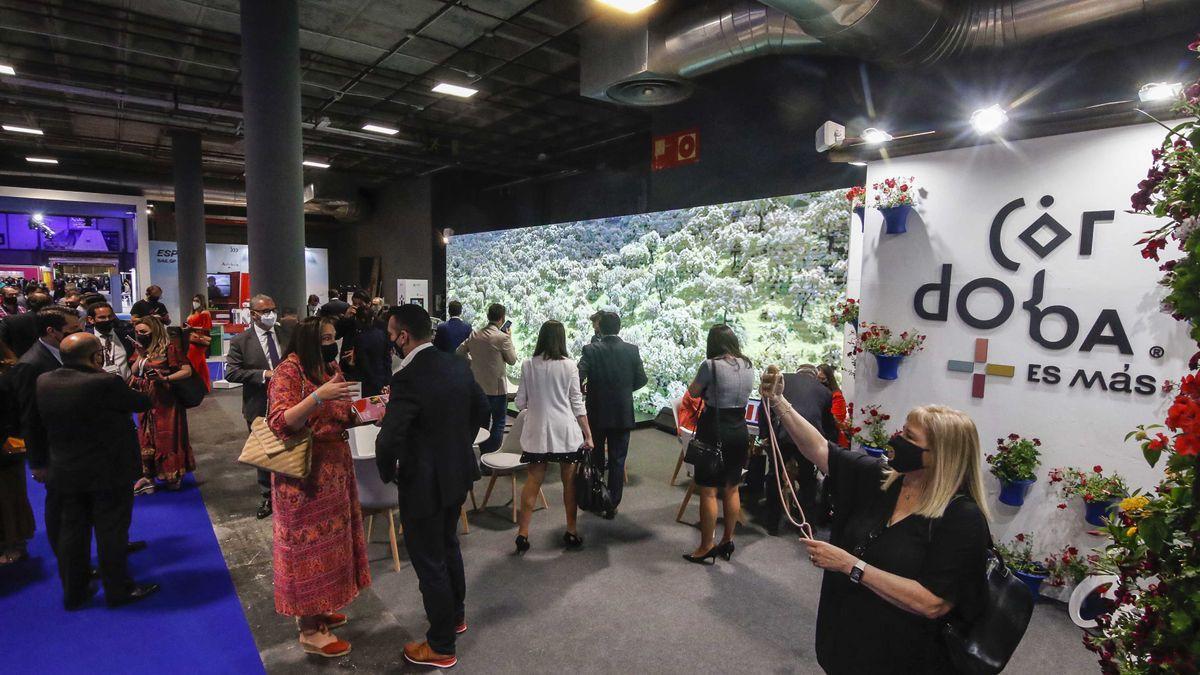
1010,219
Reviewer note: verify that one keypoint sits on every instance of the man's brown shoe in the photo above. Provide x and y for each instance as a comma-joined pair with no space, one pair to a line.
421,654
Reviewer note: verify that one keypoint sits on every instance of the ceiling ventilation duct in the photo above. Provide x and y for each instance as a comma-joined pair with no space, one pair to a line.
650,63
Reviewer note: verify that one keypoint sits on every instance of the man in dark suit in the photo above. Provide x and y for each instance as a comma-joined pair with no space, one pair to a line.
611,370
451,332
433,413
19,331
94,459
253,356
54,323
116,337
814,402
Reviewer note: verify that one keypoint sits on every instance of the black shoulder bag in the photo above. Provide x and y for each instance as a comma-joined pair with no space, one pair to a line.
707,457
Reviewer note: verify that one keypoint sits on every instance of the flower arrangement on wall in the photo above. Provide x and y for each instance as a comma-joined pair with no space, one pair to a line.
888,348
895,198
871,431
1015,464
845,312
857,196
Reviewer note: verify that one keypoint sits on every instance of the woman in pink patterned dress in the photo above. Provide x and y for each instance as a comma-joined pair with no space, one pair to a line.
320,559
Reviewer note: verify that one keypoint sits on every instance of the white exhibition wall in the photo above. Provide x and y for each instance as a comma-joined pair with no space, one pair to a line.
164,268
1079,397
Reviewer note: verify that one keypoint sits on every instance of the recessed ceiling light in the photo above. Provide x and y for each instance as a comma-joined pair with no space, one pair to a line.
380,129
21,130
631,6
455,90
875,136
1160,91
41,160
6,69
986,120
315,164
857,163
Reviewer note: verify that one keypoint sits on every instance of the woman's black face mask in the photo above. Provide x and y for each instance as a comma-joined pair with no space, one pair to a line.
904,455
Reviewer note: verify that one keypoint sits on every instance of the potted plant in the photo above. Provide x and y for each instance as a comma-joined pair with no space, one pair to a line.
1018,555
1100,493
889,349
873,435
895,198
1014,463
845,312
857,196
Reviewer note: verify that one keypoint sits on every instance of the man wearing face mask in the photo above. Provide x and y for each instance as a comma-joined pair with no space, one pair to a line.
116,339
9,303
253,355
152,305
92,463
19,331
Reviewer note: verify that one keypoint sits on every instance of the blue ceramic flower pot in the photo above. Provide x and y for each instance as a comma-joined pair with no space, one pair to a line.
895,218
888,366
1013,492
1096,512
1033,581
862,216
874,451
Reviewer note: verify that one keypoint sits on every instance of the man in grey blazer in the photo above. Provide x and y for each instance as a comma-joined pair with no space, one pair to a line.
253,355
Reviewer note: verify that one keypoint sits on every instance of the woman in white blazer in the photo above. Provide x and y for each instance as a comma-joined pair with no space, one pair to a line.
556,426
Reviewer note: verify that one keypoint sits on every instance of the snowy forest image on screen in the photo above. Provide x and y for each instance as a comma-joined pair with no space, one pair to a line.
771,268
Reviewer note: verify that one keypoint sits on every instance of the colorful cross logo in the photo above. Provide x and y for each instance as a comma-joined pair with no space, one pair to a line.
978,379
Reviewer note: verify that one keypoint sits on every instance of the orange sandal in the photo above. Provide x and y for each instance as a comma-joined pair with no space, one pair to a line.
334,619
332,650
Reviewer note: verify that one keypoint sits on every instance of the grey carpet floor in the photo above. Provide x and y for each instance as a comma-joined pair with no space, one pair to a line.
626,603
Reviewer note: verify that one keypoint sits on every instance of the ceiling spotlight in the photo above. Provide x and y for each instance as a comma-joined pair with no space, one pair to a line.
37,217
21,130
875,136
315,164
41,160
1160,91
630,6
446,234
380,129
455,90
986,120
857,163
6,69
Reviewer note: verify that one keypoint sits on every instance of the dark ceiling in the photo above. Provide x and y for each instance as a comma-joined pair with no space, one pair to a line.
106,80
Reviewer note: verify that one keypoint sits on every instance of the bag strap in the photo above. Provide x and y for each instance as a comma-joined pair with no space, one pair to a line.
712,366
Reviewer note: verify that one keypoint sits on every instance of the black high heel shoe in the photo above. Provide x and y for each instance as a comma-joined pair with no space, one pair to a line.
572,540
522,544
712,554
726,550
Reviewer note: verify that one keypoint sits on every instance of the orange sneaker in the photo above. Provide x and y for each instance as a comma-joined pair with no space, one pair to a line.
461,627
421,654
334,619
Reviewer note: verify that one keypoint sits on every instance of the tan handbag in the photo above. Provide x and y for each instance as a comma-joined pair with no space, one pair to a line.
264,450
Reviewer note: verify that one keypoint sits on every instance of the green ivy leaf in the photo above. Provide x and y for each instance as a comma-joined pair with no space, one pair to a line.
1151,455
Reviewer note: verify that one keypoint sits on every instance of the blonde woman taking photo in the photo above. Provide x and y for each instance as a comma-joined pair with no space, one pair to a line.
908,542
163,430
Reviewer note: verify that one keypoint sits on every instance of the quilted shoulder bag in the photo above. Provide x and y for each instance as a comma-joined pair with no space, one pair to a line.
708,458
265,450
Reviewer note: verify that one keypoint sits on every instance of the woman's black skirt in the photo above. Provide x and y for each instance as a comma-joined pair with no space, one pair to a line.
729,424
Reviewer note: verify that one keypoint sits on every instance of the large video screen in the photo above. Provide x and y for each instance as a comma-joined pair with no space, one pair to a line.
771,268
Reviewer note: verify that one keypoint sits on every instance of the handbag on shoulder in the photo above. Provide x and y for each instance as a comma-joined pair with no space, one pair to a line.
706,457
189,391
265,450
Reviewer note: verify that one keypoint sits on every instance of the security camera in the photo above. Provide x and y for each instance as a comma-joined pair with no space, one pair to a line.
830,135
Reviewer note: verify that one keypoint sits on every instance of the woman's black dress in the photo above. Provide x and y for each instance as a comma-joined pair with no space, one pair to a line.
860,632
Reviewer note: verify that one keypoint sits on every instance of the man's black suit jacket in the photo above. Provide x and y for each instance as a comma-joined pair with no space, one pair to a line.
612,370
434,410
245,364
92,442
813,401
19,332
34,362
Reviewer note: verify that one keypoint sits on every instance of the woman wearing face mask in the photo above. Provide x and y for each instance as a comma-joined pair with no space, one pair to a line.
199,338
320,553
908,541
162,431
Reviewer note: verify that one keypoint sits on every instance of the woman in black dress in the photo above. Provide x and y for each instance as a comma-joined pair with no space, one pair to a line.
725,380
908,543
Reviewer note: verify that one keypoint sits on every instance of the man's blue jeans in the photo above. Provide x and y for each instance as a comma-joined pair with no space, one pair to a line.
499,408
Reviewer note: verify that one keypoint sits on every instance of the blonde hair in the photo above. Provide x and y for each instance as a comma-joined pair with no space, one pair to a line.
158,335
954,459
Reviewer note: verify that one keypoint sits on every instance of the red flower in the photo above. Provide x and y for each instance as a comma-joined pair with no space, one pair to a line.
1098,469
1158,442
1190,386
1013,437
1195,46
1187,444
1072,551
1062,506
1150,252
1020,536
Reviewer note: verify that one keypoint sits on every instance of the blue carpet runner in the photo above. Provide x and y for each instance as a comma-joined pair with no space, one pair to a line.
195,624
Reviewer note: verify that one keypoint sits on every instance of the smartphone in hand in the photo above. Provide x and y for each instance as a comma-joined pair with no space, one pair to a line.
507,326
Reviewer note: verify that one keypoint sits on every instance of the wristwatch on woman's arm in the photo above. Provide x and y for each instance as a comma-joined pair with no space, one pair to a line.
856,572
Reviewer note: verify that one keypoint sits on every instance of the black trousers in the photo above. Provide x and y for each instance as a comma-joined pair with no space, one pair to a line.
53,515
806,475
108,513
616,443
432,544
264,476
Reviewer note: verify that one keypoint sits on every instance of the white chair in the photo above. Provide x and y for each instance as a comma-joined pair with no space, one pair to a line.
506,461
376,497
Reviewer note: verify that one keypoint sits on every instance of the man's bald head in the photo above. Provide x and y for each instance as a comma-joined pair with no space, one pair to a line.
77,349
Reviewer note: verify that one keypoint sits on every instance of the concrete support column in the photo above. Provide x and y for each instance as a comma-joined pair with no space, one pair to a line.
274,178
189,220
